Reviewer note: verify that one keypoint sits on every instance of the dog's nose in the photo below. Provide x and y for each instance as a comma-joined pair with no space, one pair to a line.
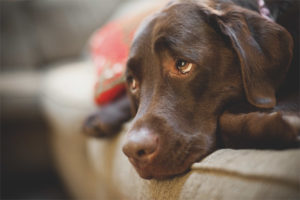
141,145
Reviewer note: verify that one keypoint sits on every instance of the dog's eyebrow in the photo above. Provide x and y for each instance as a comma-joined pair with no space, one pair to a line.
176,47
133,65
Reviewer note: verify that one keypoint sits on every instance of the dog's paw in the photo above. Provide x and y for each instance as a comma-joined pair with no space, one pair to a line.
294,122
285,128
95,126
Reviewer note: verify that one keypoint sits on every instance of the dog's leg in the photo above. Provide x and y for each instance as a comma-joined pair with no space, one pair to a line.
259,130
109,119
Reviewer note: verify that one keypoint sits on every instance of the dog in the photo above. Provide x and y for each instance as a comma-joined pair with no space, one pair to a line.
204,75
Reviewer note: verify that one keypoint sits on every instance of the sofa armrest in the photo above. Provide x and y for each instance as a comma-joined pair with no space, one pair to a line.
97,169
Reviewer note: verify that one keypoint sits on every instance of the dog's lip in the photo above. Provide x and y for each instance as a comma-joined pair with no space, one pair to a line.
138,164
141,168
146,171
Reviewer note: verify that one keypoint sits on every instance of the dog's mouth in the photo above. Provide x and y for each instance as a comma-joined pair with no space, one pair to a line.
142,169
163,170
161,151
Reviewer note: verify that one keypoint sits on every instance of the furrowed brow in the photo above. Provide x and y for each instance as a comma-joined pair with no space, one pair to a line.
134,66
175,47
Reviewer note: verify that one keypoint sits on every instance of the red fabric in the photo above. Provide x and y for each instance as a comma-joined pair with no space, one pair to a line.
109,49
111,94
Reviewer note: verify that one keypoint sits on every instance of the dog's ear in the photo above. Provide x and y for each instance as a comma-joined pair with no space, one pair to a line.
264,49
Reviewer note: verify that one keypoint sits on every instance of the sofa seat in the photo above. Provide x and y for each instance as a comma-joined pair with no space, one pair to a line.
94,168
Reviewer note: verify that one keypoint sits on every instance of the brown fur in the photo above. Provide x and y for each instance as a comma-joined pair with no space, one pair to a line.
236,94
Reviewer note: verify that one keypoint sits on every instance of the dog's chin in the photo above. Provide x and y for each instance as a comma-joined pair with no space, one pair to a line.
159,174
152,171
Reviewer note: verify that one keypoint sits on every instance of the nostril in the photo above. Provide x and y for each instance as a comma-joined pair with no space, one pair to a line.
139,150
140,145
141,153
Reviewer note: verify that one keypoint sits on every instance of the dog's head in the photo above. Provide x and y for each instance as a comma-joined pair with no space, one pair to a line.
187,62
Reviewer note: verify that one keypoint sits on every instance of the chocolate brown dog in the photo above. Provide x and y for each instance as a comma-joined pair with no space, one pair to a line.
204,75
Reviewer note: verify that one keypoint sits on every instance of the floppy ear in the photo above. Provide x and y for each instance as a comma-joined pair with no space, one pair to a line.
264,49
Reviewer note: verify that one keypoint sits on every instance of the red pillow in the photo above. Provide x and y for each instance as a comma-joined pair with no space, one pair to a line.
109,49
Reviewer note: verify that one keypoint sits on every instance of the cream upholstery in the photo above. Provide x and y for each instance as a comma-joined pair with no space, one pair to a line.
97,168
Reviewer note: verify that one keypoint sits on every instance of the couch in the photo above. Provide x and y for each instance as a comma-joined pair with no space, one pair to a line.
94,168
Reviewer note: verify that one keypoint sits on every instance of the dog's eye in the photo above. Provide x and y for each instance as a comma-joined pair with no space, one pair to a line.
183,66
132,83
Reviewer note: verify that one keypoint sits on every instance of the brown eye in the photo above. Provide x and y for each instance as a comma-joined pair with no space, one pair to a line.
183,66
132,83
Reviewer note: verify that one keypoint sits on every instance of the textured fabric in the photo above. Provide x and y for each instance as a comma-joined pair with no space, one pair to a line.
225,174
97,168
109,50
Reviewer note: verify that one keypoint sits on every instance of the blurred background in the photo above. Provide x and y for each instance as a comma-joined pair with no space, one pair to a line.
34,36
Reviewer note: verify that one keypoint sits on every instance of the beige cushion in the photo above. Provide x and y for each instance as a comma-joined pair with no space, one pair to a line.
97,168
